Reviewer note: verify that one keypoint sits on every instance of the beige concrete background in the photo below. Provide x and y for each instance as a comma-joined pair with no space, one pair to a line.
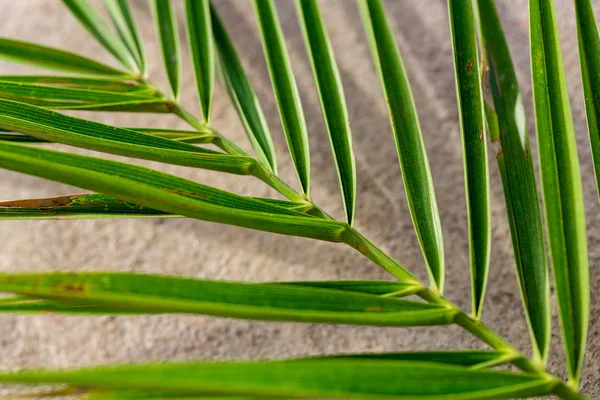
200,249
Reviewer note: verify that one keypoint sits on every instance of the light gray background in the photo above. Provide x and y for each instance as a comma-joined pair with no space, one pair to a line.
201,249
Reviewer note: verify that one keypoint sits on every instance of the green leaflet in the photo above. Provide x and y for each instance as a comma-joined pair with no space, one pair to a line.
206,136
93,23
123,21
64,97
561,183
48,125
407,133
465,358
51,58
86,206
165,192
168,36
202,49
75,207
366,379
154,294
103,83
381,288
470,104
331,96
171,134
518,178
285,88
589,57
242,95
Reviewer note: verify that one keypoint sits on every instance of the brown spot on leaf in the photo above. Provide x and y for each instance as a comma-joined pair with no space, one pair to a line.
192,194
363,249
469,66
44,204
373,309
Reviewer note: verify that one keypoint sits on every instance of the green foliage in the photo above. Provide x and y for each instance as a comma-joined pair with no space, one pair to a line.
409,142
29,121
470,103
518,179
563,198
331,96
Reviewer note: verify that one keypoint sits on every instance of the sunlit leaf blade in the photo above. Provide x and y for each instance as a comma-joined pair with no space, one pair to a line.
63,97
561,183
381,288
165,192
142,395
589,56
242,95
75,207
206,136
52,126
331,96
466,358
93,23
123,20
104,83
286,91
202,49
51,58
177,135
470,104
155,294
365,379
518,178
409,142
168,36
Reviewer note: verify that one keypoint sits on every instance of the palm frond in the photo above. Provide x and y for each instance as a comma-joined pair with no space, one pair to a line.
561,183
407,133
168,36
242,95
285,88
87,15
331,96
518,179
202,50
470,104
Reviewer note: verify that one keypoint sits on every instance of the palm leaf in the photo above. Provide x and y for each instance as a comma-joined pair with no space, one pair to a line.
166,26
518,178
202,49
172,134
48,125
409,142
123,21
75,207
51,58
589,56
331,96
93,23
165,192
381,288
561,183
286,91
103,83
154,294
470,105
367,379
465,358
242,95
64,97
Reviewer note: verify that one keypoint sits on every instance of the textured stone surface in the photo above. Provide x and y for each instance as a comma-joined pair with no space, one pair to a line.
200,249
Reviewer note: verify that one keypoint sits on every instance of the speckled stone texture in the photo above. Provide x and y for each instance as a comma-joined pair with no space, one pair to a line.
200,249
